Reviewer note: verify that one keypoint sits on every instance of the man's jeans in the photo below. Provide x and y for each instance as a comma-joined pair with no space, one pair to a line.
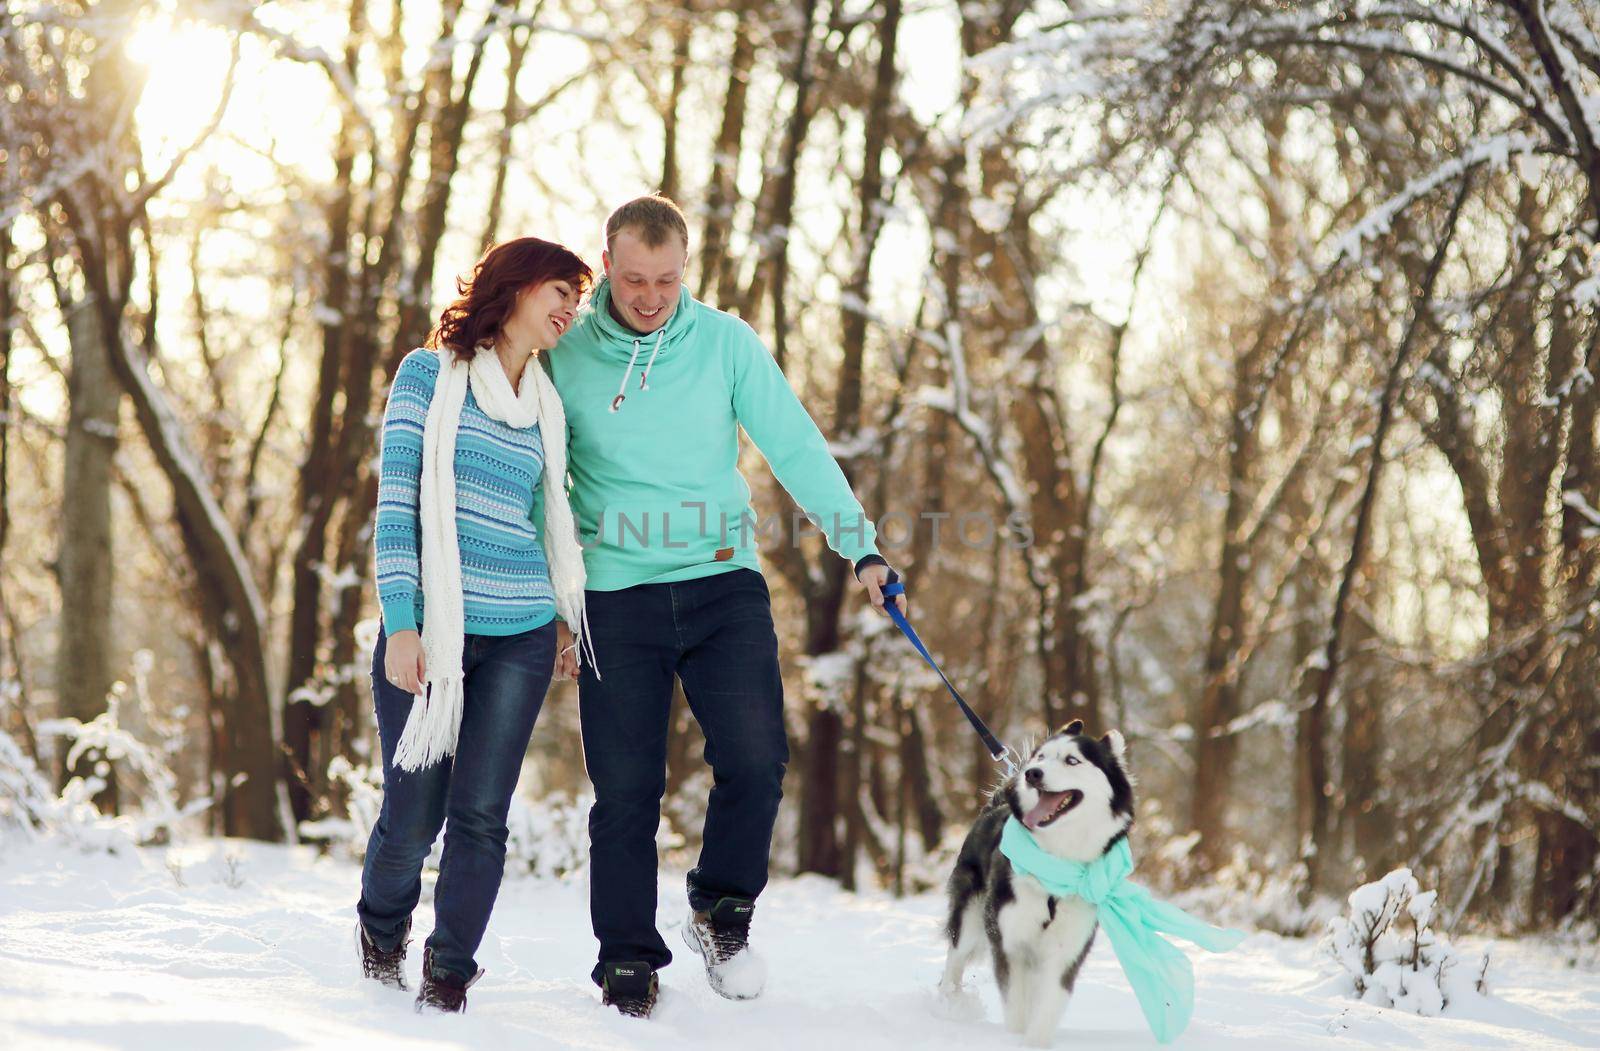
468,793
715,634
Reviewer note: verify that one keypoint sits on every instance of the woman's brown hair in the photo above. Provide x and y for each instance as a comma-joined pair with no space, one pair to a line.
489,294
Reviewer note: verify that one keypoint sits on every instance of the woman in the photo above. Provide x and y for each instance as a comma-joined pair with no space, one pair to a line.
473,524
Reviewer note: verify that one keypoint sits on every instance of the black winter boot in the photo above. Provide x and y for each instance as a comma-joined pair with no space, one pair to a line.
441,990
384,965
631,988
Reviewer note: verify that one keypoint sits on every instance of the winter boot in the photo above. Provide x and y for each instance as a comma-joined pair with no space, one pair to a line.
385,966
631,988
722,938
442,991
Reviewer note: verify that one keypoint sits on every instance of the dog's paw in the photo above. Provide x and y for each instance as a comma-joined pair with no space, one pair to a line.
1038,1033
957,1003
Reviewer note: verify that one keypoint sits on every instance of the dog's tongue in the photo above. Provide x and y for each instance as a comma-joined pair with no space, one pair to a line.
1048,801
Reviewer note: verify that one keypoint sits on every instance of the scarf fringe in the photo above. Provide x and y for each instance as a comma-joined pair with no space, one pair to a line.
433,726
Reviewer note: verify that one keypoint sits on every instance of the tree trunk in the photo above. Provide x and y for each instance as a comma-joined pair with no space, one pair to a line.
10,654
819,800
319,483
231,604
1226,646
1215,744
716,273
517,48
83,648
776,210
8,306
1363,800
669,149
1565,886
827,731
854,775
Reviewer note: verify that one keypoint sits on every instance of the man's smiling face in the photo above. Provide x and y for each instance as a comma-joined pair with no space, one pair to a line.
645,279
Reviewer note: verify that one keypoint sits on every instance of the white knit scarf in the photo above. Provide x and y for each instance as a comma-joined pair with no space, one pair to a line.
435,721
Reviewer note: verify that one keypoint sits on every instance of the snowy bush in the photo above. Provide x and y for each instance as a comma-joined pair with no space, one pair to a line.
547,838
27,803
1392,955
362,788
1251,891
31,809
147,785
1578,943
1255,894
550,837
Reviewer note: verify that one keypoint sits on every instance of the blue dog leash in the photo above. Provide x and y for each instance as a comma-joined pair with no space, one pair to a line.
997,751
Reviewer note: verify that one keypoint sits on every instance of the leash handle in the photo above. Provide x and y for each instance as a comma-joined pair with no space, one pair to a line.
997,751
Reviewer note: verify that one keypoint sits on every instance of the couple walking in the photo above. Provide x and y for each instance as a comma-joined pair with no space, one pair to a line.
488,593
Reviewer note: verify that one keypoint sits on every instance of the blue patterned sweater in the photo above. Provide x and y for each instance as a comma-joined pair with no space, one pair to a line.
505,580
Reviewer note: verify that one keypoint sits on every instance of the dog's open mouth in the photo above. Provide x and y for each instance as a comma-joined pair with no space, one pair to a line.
1050,806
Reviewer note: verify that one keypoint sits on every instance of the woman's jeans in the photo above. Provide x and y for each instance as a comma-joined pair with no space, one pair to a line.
469,794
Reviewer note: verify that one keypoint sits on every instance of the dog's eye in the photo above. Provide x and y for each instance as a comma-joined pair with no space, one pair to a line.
1073,760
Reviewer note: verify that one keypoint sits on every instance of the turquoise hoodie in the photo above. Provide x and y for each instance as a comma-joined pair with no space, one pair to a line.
653,424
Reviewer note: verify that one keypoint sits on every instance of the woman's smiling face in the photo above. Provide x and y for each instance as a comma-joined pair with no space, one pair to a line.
543,312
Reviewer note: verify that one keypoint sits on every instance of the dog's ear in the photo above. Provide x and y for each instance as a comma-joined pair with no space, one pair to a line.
1118,747
1073,728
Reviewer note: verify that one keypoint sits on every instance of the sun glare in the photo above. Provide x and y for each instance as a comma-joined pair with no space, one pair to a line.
186,67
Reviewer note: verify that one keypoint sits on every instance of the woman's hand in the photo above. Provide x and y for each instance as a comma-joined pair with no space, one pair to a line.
403,662
566,653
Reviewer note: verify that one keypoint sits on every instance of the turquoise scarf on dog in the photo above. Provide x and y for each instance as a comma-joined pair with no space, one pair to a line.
1160,973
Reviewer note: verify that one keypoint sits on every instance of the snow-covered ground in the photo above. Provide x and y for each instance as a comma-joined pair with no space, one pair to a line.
230,946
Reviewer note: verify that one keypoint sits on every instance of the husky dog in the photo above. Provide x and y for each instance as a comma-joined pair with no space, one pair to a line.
1074,795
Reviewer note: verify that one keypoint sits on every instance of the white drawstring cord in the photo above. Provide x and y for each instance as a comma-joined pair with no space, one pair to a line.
644,377
616,403
588,638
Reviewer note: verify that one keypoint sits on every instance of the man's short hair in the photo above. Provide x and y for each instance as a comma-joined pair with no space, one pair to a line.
653,218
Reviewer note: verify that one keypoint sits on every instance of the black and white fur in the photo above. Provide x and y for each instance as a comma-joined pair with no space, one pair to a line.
1076,793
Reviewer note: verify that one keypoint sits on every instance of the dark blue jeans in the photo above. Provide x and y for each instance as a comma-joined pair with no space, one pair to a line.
469,794
716,635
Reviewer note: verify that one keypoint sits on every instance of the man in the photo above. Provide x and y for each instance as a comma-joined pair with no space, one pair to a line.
655,386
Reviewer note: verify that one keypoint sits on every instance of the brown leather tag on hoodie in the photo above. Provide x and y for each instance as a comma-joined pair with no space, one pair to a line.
724,553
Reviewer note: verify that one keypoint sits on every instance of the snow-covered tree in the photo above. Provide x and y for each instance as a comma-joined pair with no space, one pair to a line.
1420,108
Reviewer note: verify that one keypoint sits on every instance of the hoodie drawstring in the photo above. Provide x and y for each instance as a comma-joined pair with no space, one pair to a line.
616,403
644,377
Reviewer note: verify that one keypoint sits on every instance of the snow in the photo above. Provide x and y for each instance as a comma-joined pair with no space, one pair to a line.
992,216
1375,897
744,976
1496,152
831,674
855,446
186,472
956,400
1574,499
1267,713
250,946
